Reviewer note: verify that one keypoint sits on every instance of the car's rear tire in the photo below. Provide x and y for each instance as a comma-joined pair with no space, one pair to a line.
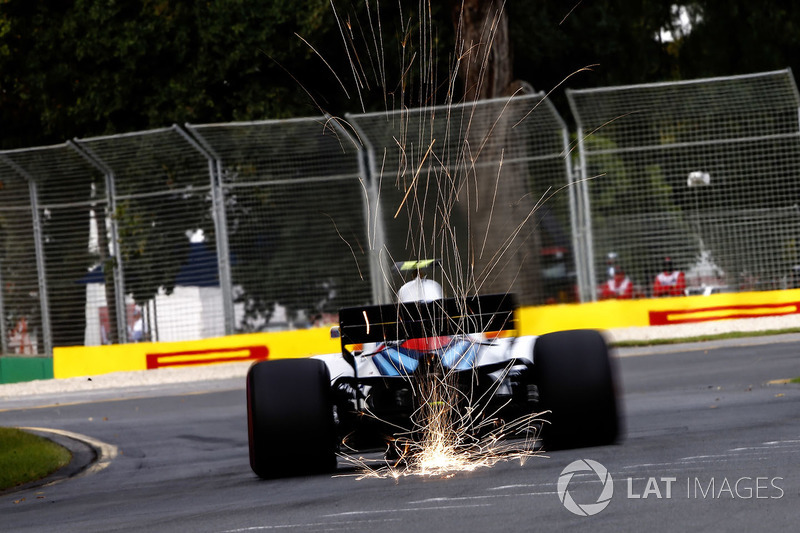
576,381
290,418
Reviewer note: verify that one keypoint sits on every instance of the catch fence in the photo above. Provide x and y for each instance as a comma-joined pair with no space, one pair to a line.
197,231
703,171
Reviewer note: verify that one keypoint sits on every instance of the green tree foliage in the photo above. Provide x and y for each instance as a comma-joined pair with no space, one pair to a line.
554,39
615,39
740,37
87,67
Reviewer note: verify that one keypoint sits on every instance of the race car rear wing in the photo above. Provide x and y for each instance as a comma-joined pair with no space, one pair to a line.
414,320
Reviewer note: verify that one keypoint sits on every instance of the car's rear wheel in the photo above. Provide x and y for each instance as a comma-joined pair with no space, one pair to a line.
576,382
290,418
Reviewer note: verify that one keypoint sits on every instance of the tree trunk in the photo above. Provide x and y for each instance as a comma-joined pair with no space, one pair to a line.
483,48
504,242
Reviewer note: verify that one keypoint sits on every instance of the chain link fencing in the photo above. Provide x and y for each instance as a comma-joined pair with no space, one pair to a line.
482,186
198,231
293,217
703,172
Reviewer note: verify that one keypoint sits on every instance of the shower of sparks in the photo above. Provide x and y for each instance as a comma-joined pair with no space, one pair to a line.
443,441
451,430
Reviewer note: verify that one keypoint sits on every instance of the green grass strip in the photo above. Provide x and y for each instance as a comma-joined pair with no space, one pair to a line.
26,457
703,338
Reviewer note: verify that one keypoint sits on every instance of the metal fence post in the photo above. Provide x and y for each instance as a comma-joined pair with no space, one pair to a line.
373,216
582,225
118,267
585,212
223,247
575,198
41,270
220,225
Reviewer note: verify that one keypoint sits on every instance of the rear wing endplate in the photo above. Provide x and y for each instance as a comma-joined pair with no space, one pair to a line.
415,320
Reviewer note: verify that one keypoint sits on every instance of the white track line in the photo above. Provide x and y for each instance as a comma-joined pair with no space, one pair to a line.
105,452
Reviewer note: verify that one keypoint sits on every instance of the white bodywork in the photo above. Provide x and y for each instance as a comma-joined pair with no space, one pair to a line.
420,289
489,352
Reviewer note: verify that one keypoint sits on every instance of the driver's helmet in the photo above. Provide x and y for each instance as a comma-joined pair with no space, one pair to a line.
420,289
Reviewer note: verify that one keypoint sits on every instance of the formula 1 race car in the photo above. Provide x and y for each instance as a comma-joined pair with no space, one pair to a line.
373,394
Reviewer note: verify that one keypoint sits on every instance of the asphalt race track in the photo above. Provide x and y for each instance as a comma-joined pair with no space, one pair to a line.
710,446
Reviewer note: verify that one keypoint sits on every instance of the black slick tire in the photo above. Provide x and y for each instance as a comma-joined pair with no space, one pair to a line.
290,418
576,381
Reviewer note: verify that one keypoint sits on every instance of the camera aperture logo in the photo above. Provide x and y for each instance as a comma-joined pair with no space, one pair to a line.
591,508
661,488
